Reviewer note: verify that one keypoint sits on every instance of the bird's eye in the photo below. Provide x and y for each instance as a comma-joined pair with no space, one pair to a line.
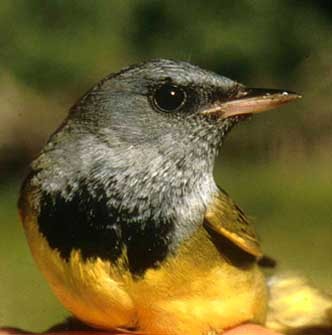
169,98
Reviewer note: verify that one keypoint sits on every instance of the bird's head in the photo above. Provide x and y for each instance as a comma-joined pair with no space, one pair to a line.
153,129
171,107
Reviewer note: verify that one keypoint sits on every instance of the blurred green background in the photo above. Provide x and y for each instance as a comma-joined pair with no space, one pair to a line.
277,166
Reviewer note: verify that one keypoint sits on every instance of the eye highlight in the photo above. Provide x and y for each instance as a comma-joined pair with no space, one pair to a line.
169,98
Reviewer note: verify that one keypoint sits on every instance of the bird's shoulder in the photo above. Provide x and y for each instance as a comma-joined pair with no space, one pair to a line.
226,218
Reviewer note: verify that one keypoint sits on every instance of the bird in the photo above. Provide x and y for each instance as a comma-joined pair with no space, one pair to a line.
123,215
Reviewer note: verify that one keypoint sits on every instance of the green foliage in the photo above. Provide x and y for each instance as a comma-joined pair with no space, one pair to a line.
57,45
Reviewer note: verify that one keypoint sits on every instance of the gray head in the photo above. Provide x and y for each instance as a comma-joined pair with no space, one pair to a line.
157,103
138,149
146,129
162,118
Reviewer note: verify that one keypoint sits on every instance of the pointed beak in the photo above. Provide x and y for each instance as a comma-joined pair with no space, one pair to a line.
250,101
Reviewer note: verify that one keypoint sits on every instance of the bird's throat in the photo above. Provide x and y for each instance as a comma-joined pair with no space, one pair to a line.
142,213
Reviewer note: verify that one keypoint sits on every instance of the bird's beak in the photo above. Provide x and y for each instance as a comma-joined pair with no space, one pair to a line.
250,101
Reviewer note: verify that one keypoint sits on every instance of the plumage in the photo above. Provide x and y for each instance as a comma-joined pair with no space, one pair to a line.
122,213
227,219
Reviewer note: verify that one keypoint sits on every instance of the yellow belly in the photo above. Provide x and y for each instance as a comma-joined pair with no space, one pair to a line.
196,291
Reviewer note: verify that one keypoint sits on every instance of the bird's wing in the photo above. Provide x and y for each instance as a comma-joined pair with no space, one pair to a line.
225,218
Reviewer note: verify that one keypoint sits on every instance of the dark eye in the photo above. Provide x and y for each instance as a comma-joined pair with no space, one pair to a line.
169,98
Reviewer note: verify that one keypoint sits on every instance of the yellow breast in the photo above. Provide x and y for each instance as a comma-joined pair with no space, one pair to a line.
193,292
